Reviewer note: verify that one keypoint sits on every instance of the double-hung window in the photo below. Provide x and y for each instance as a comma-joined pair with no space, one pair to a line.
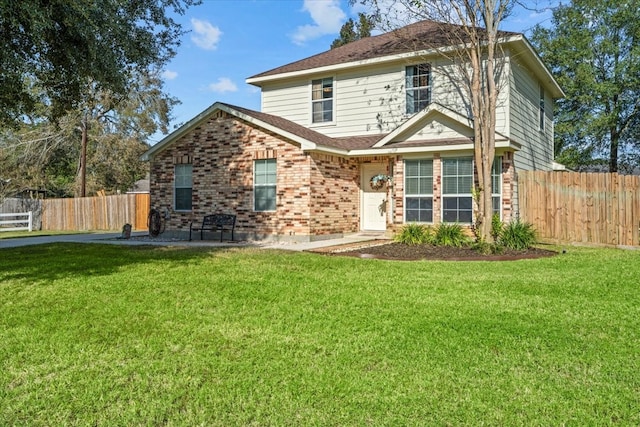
418,87
264,185
457,183
496,185
418,190
183,187
322,100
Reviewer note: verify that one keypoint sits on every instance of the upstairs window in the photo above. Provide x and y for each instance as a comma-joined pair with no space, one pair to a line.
183,187
264,185
418,86
322,100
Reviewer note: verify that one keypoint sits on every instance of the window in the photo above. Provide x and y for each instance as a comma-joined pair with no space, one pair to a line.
541,118
322,100
496,185
418,81
457,182
418,190
264,185
183,187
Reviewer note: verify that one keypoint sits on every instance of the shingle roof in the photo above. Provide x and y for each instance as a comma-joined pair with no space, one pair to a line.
349,143
421,35
344,143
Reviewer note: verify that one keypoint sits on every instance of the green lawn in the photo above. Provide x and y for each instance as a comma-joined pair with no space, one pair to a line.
122,336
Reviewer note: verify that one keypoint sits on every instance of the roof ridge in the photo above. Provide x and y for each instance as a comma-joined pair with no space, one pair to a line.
421,35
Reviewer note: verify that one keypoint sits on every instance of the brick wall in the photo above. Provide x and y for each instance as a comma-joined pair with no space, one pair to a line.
314,192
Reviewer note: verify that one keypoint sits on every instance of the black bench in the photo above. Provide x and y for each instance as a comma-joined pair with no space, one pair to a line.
215,222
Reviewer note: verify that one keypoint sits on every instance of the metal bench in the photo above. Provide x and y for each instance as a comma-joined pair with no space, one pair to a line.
215,222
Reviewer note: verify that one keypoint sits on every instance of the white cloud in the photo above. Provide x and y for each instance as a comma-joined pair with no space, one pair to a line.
327,17
223,85
206,35
169,75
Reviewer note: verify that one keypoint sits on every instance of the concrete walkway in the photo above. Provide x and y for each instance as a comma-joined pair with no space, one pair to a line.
138,239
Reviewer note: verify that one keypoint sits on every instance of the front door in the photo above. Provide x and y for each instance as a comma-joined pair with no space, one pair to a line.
374,202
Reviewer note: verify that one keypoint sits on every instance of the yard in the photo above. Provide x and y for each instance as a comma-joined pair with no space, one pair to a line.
111,335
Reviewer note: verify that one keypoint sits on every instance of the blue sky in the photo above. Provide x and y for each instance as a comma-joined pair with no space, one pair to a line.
230,40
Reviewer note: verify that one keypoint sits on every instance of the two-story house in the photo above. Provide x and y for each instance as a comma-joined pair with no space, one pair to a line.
367,136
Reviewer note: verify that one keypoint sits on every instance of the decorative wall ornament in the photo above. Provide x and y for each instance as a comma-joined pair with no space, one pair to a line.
380,180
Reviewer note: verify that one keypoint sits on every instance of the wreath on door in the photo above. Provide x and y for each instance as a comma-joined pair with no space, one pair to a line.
378,181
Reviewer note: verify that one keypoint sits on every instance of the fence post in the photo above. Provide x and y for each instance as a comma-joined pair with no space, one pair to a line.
30,221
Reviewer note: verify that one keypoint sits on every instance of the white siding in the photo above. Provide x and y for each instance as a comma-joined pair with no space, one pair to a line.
369,100
372,100
440,127
537,145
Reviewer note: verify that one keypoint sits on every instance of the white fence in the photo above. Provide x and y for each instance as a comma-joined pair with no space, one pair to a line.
24,218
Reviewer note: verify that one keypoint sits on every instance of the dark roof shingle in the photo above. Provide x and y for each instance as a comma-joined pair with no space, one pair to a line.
414,37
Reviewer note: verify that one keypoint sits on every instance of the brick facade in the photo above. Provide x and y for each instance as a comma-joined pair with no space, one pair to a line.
316,194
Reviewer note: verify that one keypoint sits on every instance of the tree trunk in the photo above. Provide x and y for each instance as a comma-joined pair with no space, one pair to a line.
83,157
613,151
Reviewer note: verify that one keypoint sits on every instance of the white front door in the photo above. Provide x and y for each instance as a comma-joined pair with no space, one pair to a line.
374,202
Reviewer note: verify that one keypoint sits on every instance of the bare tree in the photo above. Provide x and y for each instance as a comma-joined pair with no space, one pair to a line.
471,29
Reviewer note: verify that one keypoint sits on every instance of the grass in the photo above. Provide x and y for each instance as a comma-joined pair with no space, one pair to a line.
110,335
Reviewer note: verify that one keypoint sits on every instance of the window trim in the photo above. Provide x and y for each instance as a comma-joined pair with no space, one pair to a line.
176,187
459,194
496,172
274,185
420,195
541,110
407,88
322,100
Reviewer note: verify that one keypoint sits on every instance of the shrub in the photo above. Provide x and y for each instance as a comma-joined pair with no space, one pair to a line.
496,227
450,235
518,235
414,234
486,248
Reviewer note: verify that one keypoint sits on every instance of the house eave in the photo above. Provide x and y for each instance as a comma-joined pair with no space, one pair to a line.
501,145
305,144
401,57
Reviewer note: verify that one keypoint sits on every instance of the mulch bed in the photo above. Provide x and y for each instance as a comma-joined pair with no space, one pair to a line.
384,249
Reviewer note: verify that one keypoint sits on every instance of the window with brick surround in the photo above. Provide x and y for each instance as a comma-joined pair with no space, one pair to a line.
322,100
264,185
496,185
457,182
418,87
418,190
182,187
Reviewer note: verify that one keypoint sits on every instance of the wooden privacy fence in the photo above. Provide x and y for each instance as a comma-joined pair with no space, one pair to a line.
96,213
598,208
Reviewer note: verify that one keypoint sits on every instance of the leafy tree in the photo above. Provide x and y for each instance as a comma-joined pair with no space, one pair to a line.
593,49
98,146
352,31
59,45
474,25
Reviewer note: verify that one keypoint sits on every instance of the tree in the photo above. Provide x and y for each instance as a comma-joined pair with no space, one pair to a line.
59,45
352,31
98,146
593,49
473,26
